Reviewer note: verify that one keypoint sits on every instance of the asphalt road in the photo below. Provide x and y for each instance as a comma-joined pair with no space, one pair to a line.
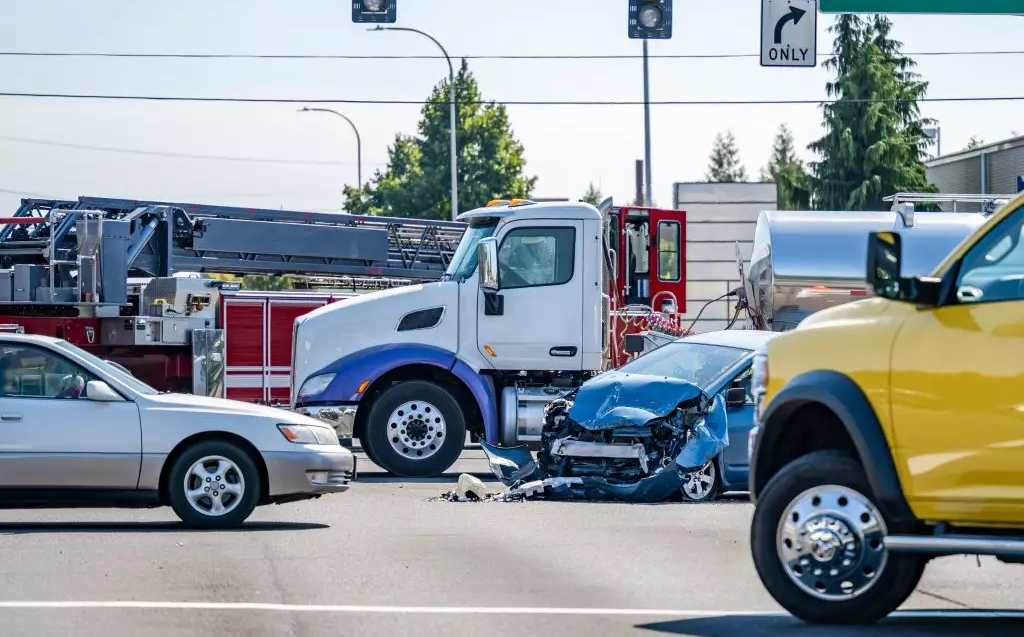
388,559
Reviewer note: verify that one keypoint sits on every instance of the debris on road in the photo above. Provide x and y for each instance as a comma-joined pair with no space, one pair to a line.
469,488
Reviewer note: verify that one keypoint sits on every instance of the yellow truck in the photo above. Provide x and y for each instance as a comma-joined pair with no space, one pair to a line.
890,430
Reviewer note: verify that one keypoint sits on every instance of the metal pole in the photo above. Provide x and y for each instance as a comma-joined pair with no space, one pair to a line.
359,142
647,132
452,113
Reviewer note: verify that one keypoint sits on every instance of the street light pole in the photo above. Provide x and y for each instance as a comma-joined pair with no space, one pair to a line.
647,133
452,114
359,142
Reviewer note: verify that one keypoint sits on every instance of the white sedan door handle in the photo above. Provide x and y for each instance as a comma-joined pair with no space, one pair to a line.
10,417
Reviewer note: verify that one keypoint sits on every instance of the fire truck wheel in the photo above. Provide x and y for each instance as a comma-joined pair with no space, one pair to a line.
213,484
415,430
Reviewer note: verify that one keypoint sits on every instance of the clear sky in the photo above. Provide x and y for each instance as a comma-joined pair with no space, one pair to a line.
566,146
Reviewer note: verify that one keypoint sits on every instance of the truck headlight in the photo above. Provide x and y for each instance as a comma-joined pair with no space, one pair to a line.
309,435
315,385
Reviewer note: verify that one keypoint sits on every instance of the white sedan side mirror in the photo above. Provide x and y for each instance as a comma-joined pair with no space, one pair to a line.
99,391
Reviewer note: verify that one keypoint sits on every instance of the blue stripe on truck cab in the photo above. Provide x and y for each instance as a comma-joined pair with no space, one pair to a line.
373,362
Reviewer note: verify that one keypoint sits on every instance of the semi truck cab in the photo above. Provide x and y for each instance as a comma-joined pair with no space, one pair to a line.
518,319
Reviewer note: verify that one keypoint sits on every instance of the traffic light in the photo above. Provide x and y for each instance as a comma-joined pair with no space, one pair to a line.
650,19
374,10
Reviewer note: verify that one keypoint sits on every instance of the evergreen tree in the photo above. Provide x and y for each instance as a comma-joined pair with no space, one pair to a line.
787,171
874,142
417,181
593,195
724,165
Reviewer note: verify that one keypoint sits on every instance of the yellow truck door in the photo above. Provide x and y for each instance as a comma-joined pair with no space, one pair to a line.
957,389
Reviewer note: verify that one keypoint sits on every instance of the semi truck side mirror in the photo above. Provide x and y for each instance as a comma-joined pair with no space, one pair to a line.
883,273
487,260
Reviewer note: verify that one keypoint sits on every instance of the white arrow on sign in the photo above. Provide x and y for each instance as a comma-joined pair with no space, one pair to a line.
789,33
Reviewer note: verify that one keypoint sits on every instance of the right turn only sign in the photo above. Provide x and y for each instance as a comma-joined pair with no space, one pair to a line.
789,32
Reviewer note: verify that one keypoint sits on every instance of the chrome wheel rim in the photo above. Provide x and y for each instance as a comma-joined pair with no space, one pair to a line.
830,541
698,484
214,486
416,429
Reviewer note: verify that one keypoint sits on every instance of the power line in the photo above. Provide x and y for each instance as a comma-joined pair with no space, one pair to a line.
568,56
284,100
136,151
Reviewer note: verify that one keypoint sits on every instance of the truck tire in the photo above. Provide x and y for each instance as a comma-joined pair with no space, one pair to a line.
415,429
213,485
844,575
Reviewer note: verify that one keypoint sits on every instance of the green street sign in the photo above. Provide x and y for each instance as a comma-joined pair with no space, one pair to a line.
981,7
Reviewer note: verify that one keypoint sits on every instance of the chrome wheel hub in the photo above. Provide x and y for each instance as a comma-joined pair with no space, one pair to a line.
416,429
698,484
214,486
830,542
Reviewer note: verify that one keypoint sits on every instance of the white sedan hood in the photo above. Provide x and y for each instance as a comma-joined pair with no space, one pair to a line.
210,405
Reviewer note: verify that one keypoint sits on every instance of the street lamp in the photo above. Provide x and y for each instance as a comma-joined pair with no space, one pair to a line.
359,143
451,85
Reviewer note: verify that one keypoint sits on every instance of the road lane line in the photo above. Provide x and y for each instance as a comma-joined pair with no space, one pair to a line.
463,610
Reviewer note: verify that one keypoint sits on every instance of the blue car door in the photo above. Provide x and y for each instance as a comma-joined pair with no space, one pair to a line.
741,421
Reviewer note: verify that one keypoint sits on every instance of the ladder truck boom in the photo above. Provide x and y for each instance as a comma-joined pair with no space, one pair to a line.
130,280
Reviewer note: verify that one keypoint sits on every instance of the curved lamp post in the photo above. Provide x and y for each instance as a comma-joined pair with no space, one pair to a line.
359,143
451,84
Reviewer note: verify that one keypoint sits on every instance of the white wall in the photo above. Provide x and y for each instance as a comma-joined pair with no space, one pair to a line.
717,217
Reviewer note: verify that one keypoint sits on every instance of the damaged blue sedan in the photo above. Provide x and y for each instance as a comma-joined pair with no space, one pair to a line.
652,430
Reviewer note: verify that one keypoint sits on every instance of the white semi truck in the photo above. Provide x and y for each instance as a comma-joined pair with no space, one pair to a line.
534,302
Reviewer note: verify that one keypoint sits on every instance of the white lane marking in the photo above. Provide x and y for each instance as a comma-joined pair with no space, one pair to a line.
471,610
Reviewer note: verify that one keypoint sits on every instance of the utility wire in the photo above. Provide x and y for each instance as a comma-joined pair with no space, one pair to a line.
570,56
284,100
135,151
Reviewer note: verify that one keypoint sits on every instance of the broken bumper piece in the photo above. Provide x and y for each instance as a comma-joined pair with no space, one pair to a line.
621,437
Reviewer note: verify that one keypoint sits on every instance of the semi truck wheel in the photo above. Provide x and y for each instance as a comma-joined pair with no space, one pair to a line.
415,429
817,543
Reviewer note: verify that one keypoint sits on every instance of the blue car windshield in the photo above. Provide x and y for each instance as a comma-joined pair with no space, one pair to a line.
698,363
464,261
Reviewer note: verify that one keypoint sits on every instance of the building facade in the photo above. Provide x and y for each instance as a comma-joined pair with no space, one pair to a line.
991,169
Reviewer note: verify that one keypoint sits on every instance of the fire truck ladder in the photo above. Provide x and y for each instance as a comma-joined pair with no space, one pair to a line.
162,238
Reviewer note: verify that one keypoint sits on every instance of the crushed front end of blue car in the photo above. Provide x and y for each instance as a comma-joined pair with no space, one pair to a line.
620,436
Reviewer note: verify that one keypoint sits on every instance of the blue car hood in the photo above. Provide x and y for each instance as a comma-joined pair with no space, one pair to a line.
613,399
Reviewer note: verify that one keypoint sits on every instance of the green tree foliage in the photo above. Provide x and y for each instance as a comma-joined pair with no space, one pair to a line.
724,165
788,173
871,149
417,182
593,195
973,143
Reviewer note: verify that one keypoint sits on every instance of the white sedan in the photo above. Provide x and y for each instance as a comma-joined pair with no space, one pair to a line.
77,431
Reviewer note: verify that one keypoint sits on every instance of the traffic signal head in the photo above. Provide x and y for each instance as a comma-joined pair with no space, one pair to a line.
374,10
650,19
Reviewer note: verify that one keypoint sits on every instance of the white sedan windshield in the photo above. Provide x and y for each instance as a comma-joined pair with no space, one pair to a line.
129,380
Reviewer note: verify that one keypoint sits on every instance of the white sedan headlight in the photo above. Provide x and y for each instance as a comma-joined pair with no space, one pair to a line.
315,385
309,434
